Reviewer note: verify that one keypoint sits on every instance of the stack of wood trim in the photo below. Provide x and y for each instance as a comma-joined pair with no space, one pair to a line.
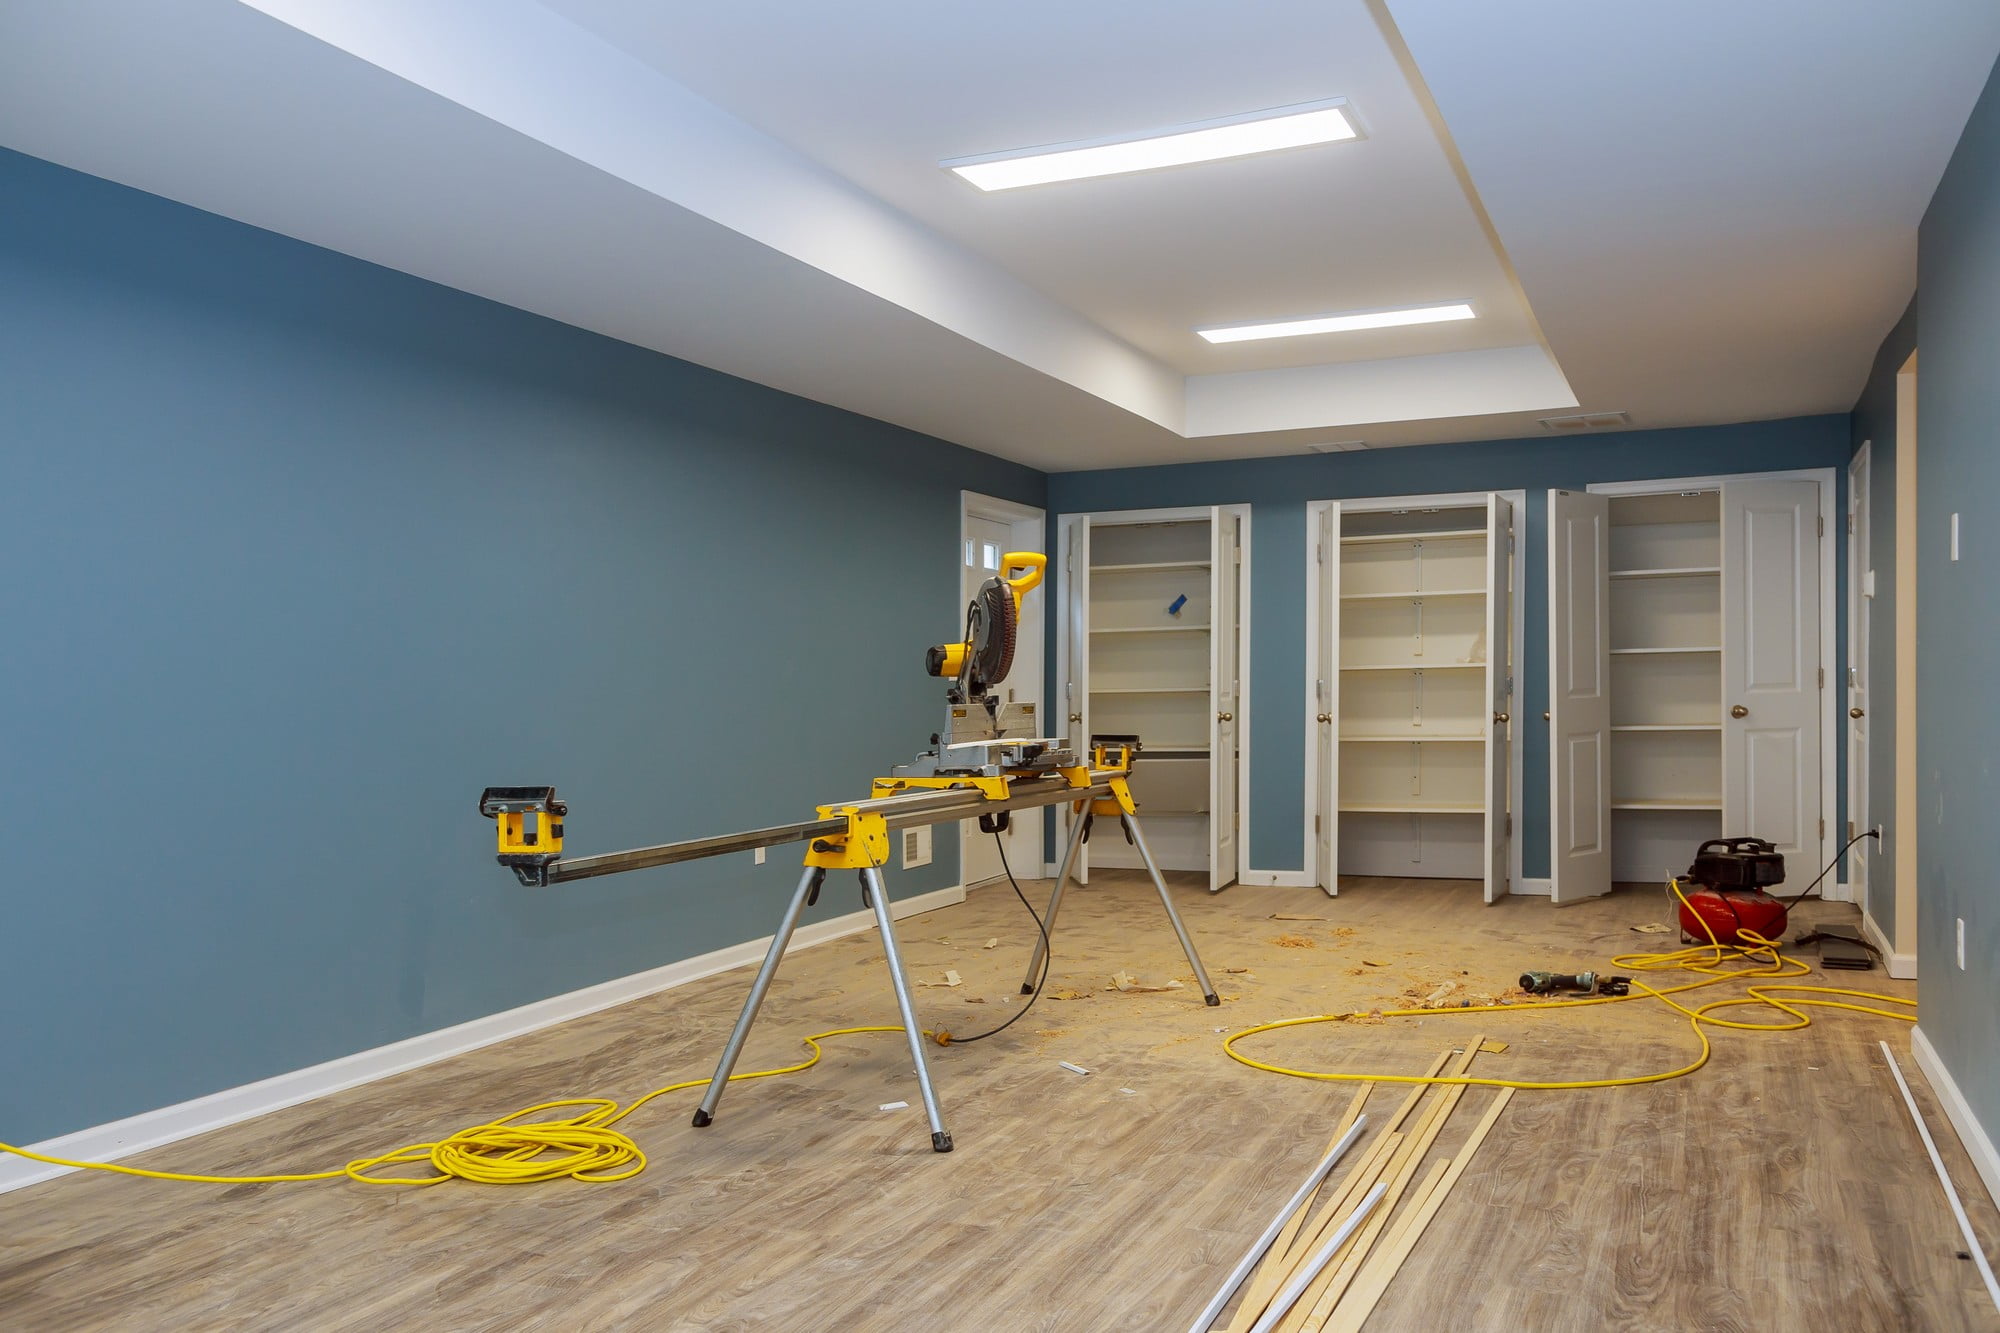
1353,1280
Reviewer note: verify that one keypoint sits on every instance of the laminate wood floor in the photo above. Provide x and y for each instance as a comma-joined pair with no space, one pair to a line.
1780,1188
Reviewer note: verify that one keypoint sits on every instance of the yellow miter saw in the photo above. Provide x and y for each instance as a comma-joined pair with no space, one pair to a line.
983,735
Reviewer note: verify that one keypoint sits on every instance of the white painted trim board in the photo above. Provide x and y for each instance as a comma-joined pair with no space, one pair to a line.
1901,966
1978,1146
168,1124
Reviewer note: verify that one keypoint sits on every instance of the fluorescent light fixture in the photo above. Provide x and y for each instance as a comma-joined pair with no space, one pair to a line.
1206,141
1372,319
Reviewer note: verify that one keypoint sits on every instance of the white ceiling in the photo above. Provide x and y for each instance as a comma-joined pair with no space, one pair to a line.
1696,212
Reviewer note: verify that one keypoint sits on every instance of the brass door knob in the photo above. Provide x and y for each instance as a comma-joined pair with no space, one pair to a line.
1502,718
1225,717
1326,717
1076,717
1739,711
1856,712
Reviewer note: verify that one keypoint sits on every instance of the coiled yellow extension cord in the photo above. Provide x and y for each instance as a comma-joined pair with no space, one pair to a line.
1701,958
506,1151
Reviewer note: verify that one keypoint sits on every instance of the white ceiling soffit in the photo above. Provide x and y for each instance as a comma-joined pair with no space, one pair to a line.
1712,203
503,149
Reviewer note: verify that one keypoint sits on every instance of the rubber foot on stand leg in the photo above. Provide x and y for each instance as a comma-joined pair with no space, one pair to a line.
702,1119
941,1142
1026,989
1214,1000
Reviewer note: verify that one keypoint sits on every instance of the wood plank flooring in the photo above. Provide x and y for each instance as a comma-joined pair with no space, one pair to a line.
1781,1188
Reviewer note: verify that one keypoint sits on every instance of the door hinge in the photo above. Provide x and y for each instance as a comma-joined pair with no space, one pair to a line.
1822,525
1315,823
1822,829
1510,825
1850,830
1510,542
1822,677
1850,524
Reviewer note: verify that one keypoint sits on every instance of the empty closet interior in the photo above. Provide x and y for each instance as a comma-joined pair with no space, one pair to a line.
1420,648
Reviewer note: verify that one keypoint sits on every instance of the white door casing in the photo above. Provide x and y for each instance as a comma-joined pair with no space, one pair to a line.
1579,534
1326,700
1075,648
1225,693
1499,689
1770,664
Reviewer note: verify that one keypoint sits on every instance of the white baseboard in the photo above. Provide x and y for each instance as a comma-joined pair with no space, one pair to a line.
1534,888
1901,966
1957,1110
151,1129
1278,879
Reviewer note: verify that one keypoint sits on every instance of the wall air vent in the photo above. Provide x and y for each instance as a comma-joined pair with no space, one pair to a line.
1587,421
1338,446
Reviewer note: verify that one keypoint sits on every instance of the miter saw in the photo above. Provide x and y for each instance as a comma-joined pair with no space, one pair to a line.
983,735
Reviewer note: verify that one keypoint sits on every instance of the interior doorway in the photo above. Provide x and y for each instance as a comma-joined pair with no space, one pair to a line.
1860,599
989,528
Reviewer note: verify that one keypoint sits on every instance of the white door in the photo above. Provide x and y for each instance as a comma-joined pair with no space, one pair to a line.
1076,665
1770,666
1326,697
1860,600
1579,695
1499,689
1225,692
986,540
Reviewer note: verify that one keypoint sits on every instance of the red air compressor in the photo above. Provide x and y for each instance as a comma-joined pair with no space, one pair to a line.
1730,875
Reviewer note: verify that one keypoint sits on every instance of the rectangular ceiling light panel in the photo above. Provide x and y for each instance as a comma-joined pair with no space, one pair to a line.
1237,136
1373,319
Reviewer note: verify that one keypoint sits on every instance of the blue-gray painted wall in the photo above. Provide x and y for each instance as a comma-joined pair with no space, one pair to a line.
301,552
1278,490
1874,423
1958,611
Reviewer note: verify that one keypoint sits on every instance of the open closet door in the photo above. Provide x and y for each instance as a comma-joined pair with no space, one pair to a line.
1499,689
1579,695
1076,665
1326,697
1225,642
1770,665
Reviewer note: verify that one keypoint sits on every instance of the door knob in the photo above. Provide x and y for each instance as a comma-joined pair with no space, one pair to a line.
1739,711
1856,712
1326,717
1076,717
1225,717
1545,715
1502,718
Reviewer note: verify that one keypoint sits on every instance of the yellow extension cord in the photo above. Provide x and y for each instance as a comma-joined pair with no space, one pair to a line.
1702,958
502,1152
584,1146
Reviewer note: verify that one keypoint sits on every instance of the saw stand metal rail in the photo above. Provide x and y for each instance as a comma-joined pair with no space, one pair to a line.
852,836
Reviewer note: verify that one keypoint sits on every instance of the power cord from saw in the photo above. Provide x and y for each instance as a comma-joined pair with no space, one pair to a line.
943,1038
1703,959
514,1150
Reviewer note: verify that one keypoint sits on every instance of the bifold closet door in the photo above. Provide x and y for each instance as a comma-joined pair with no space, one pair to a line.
1499,688
1076,667
1326,695
1225,692
1579,695
1771,689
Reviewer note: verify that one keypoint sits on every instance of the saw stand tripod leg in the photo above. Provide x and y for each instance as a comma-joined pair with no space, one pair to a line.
1077,827
808,892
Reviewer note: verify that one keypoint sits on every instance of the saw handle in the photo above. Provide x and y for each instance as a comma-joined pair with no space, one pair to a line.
1034,563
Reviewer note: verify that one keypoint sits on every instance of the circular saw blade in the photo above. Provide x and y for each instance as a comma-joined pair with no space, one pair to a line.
993,626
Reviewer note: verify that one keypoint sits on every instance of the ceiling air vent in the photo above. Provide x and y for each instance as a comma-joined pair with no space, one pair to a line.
1338,446
1588,421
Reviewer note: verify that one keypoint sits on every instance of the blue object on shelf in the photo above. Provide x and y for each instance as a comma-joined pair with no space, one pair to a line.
1179,602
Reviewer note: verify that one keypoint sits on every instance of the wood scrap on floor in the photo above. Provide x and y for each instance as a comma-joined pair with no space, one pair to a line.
1311,1282
1295,942
1295,916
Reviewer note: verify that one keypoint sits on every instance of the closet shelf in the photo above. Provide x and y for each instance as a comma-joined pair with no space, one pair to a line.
1414,666
1095,570
1685,572
1376,538
1152,813
1669,726
1691,804
1471,738
1153,689
1661,652
1202,628
1412,807
1410,596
